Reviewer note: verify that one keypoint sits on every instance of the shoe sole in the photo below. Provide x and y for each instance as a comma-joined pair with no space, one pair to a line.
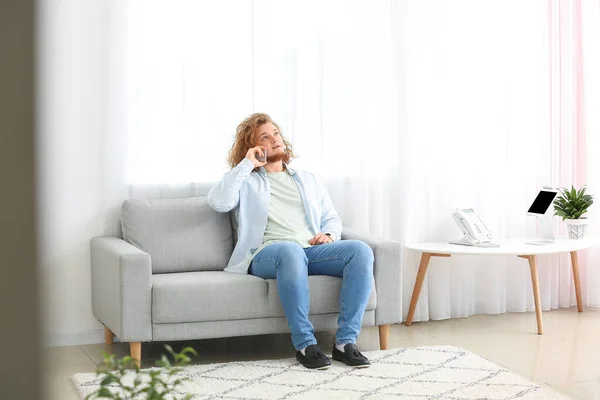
316,368
353,366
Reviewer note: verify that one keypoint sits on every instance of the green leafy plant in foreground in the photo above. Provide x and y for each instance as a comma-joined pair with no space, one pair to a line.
153,384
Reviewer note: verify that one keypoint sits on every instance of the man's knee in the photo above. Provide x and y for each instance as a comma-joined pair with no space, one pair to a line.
362,253
360,249
290,251
291,257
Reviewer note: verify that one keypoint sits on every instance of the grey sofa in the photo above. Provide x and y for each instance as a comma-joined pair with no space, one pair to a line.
163,280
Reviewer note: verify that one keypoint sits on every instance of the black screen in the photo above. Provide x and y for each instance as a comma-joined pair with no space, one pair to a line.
542,202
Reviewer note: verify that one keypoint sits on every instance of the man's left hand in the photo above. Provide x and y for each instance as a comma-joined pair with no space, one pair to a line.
320,238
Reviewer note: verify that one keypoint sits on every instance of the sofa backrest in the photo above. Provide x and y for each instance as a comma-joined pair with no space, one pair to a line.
181,235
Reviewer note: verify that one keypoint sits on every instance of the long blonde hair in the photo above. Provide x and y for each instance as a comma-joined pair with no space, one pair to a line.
245,139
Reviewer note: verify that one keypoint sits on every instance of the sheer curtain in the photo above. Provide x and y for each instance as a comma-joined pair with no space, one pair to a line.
586,33
328,77
517,97
406,110
183,79
475,131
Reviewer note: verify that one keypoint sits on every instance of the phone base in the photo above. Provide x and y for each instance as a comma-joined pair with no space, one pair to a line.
465,242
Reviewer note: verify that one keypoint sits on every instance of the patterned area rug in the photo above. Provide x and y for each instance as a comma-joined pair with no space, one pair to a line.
431,372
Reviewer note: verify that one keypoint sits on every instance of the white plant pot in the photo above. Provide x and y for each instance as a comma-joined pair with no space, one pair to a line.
577,228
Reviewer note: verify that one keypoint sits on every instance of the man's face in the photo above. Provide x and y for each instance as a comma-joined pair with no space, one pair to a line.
268,136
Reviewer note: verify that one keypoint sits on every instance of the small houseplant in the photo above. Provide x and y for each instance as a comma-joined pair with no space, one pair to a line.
147,384
571,205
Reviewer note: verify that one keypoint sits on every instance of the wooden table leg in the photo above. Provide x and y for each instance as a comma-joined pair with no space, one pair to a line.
425,257
536,292
575,266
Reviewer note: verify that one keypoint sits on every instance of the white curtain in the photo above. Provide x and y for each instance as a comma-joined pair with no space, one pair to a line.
405,109
590,102
476,131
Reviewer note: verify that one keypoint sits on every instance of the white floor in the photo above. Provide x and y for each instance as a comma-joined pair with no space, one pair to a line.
566,357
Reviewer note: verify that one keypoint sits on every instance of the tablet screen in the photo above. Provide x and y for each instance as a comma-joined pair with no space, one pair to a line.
541,203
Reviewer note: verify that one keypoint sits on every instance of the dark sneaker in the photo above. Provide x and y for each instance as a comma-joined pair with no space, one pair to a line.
314,358
351,356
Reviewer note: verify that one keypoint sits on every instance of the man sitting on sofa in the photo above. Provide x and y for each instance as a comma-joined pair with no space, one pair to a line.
288,229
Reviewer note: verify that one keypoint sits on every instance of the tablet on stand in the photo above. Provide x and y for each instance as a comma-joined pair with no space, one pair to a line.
542,210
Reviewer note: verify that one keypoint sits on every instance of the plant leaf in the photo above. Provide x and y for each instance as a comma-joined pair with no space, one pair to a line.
104,392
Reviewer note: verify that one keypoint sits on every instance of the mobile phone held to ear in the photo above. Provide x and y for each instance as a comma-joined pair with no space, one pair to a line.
262,158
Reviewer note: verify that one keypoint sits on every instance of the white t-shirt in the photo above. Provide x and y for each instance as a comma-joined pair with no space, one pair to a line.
287,217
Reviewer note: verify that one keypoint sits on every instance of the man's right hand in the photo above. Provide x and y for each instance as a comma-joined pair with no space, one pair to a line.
253,152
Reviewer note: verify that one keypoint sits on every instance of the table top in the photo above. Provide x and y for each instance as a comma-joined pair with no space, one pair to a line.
508,246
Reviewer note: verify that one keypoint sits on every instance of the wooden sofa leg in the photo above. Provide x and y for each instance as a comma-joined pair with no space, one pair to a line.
108,336
135,348
384,335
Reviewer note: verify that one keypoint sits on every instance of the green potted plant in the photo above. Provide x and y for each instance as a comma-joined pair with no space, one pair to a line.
571,205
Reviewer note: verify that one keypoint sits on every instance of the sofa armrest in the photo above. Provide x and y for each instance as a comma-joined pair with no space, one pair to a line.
388,273
121,288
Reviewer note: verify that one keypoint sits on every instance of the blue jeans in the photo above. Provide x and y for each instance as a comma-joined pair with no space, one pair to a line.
290,264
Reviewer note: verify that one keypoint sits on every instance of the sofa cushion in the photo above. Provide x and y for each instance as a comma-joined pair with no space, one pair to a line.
179,234
223,296
207,296
324,296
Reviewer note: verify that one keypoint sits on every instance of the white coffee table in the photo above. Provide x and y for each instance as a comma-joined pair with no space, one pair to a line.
515,247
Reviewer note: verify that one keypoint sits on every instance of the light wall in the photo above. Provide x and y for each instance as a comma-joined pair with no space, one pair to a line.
79,196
